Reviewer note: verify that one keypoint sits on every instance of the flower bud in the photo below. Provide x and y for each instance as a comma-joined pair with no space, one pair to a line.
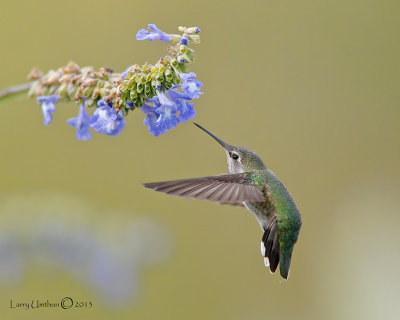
133,94
87,92
35,74
73,67
158,85
193,30
181,59
195,39
147,88
63,90
184,39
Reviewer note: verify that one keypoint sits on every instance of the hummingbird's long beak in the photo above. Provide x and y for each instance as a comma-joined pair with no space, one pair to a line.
222,143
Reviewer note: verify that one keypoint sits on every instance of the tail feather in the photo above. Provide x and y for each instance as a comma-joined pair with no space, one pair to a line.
274,253
270,246
285,263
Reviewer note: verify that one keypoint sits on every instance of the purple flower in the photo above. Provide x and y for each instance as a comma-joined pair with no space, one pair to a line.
186,110
163,100
161,117
151,120
175,95
106,120
81,123
182,104
167,111
191,85
184,39
144,34
48,107
167,119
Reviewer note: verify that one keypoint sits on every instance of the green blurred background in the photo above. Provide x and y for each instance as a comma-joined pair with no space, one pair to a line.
312,86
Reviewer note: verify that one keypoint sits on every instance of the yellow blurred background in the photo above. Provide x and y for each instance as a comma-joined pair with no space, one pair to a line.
312,86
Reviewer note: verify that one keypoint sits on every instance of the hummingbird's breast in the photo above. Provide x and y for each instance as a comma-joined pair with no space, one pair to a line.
263,211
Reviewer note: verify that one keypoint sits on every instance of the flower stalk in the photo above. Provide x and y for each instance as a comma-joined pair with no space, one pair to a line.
164,88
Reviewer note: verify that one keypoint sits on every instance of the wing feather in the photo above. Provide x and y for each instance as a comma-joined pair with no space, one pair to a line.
200,191
228,189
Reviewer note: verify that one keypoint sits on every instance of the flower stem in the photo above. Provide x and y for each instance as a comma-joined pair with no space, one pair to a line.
14,92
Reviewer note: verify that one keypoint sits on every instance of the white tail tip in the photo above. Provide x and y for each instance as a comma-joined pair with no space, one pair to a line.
266,262
262,249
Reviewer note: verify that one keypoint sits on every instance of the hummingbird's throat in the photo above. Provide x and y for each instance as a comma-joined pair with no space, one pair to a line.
234,166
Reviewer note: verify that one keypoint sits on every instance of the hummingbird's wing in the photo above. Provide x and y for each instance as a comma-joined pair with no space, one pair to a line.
227,189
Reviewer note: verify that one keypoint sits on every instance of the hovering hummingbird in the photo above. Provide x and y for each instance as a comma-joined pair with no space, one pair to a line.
252,185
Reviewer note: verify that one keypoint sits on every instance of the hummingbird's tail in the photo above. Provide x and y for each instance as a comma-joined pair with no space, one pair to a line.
273,252
286,257
270,246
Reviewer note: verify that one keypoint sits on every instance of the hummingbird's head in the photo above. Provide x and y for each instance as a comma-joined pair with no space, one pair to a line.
240,159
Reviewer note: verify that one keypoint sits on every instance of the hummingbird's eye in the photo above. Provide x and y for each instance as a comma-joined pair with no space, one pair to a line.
234,156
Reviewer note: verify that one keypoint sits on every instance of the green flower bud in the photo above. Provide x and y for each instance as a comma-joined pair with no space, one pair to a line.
187,56
181,59
192,30
133,94
161,70
147,88
87,92
195,39
89,102
63,90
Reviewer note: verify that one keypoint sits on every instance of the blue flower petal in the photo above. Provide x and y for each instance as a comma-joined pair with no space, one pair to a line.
191,85
167,119
102,103
165,101
48,107
172,106
151,120
183,106
176,95
167,111
154,101
154,28
184,40
161,117
81,123
186,110
144,34
162,35
106,120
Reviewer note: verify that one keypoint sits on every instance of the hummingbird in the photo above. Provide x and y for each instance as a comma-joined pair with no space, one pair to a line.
252,185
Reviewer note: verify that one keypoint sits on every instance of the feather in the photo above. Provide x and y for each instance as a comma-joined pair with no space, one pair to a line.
227,189
270,245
